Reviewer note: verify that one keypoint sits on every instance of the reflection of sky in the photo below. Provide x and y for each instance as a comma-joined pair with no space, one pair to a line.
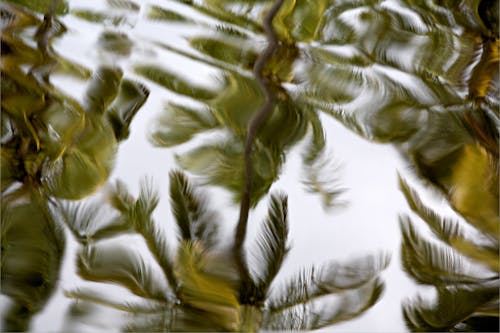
369,171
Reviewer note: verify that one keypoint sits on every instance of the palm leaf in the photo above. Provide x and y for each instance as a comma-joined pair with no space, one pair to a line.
475,189
321,177
231,50
157,13
457,303
173,82
32,252
124,4
42,6
271,248
102,89
332,278
131,97
180,124
89,222
205,291
450,232
94,16
119,264
190,209
139,213
351,306
430,264
89,295
76,174
116,43
226,16
221,163
317,315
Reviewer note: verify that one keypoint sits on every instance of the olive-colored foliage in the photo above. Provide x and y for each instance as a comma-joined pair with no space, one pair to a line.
32,251
225,110
419,74
201,289
52,147
48,137
370,64
463,267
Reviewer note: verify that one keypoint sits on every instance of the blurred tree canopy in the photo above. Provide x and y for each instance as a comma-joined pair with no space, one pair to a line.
53,147
420,75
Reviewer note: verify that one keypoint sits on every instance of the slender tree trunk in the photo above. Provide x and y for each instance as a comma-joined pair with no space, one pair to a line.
253,127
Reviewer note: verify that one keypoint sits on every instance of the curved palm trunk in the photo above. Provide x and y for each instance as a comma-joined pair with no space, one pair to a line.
253,127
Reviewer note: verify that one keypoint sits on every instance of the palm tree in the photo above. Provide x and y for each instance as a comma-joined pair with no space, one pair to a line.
201,287
224,113
52,147
370,64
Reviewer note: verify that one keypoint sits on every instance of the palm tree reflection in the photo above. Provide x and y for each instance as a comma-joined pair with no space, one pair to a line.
203,290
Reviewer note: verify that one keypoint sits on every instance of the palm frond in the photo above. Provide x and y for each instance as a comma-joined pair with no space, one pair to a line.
90,221
173,82
119,264
179,124
32,252
475,189
139,213
351,305
157,13
321,177
328,311
450,232
431,264
89,295
119,197
131,97
161,322
286,126
452,307
43,6
221,163
102,89
272,247
190,209
226,16
483,75
116,43
332,278
228,49
204,291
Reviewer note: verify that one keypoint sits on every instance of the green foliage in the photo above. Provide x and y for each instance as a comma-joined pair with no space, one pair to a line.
32,252
161,14
233,47
61,145
204,285
52,147
173,82
463,269
195,220
272,246
59,7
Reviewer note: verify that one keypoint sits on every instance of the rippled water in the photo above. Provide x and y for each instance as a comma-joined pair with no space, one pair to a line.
93,92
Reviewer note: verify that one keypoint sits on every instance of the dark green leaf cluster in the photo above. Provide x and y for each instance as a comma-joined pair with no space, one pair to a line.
52,147
48,138
32,251
463,267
